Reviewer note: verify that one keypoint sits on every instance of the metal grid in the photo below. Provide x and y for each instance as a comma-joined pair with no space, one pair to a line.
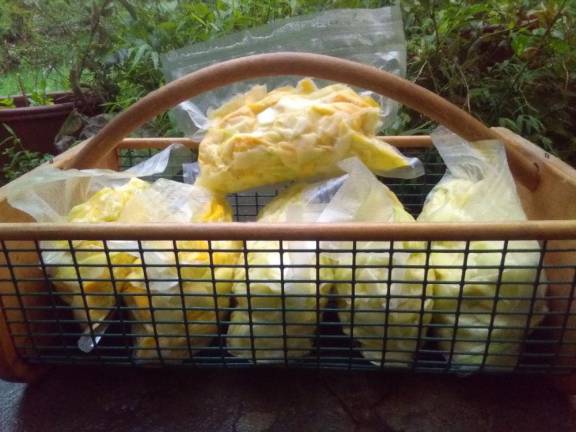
307,304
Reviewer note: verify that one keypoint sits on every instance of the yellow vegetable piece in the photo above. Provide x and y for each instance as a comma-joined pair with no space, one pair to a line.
178,316
291,133
481,315
90,290
281,316
107,204
496,321
384,312
389,319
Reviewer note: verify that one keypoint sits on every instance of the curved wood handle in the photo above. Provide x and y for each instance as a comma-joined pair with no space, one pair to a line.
289,63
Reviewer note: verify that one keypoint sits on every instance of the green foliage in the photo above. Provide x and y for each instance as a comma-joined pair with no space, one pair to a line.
7,103
15,30
148,28
52,43
20,160
509,62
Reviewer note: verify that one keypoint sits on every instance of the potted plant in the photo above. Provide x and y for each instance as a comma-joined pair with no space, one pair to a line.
18,159
40,42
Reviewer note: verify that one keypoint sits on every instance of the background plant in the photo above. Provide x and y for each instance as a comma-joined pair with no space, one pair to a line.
54,44
20,160
509,62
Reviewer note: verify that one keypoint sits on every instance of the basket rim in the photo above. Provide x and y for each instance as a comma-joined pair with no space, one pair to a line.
514,230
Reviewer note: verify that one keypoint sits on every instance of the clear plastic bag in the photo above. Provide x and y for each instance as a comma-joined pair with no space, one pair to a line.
48,193
171,293
478,187
389,313
294,133
355,197
278,303
144,278
370,36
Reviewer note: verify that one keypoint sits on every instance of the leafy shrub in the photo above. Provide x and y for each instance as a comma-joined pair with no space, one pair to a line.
20,160
509,62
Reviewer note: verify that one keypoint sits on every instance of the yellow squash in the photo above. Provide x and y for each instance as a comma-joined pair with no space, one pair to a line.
279,293
481,314
291,133
80,269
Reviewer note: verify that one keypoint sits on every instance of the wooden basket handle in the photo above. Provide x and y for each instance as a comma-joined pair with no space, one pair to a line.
290,63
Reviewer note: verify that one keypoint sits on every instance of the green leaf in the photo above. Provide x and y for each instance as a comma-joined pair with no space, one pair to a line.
520,42
7,103
139,53
560,46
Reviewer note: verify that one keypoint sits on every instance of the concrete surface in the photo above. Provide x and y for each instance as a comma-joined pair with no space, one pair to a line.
275,400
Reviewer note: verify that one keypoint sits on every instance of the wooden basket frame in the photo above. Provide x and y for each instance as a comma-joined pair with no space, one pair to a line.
547,186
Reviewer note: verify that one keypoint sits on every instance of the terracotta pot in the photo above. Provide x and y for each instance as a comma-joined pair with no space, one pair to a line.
37,126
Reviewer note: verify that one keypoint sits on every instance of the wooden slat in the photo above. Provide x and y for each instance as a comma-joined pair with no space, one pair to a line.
555,198
530,230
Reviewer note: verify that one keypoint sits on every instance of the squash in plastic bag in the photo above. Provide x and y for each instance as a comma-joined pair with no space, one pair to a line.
355,197
140,202
82,266
384,312
291,134
177,301
284,289
500,289
178,314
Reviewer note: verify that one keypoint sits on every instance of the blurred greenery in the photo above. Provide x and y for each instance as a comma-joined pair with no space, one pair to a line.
509,62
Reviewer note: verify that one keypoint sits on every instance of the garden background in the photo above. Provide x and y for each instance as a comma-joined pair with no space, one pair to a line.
511,63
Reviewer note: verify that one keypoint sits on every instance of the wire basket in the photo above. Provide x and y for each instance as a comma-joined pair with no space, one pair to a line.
325,328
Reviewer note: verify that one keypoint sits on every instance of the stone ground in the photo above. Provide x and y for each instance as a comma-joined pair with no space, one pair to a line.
279,400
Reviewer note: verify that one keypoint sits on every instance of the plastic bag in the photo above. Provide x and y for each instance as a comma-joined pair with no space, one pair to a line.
80,269
293,133
49,194
389,311
355,197
172,297
145,274
370,36
492,318
157,286
284,295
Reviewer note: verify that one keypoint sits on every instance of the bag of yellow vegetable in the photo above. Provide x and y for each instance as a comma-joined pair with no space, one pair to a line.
385,310
278,291
171,299
179,292
294,133
80,269
287,317
145,274
481,314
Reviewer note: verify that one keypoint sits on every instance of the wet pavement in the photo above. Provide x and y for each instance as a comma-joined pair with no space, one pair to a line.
106,399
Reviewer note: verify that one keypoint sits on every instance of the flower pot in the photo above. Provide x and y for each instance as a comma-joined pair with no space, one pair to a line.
37,126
